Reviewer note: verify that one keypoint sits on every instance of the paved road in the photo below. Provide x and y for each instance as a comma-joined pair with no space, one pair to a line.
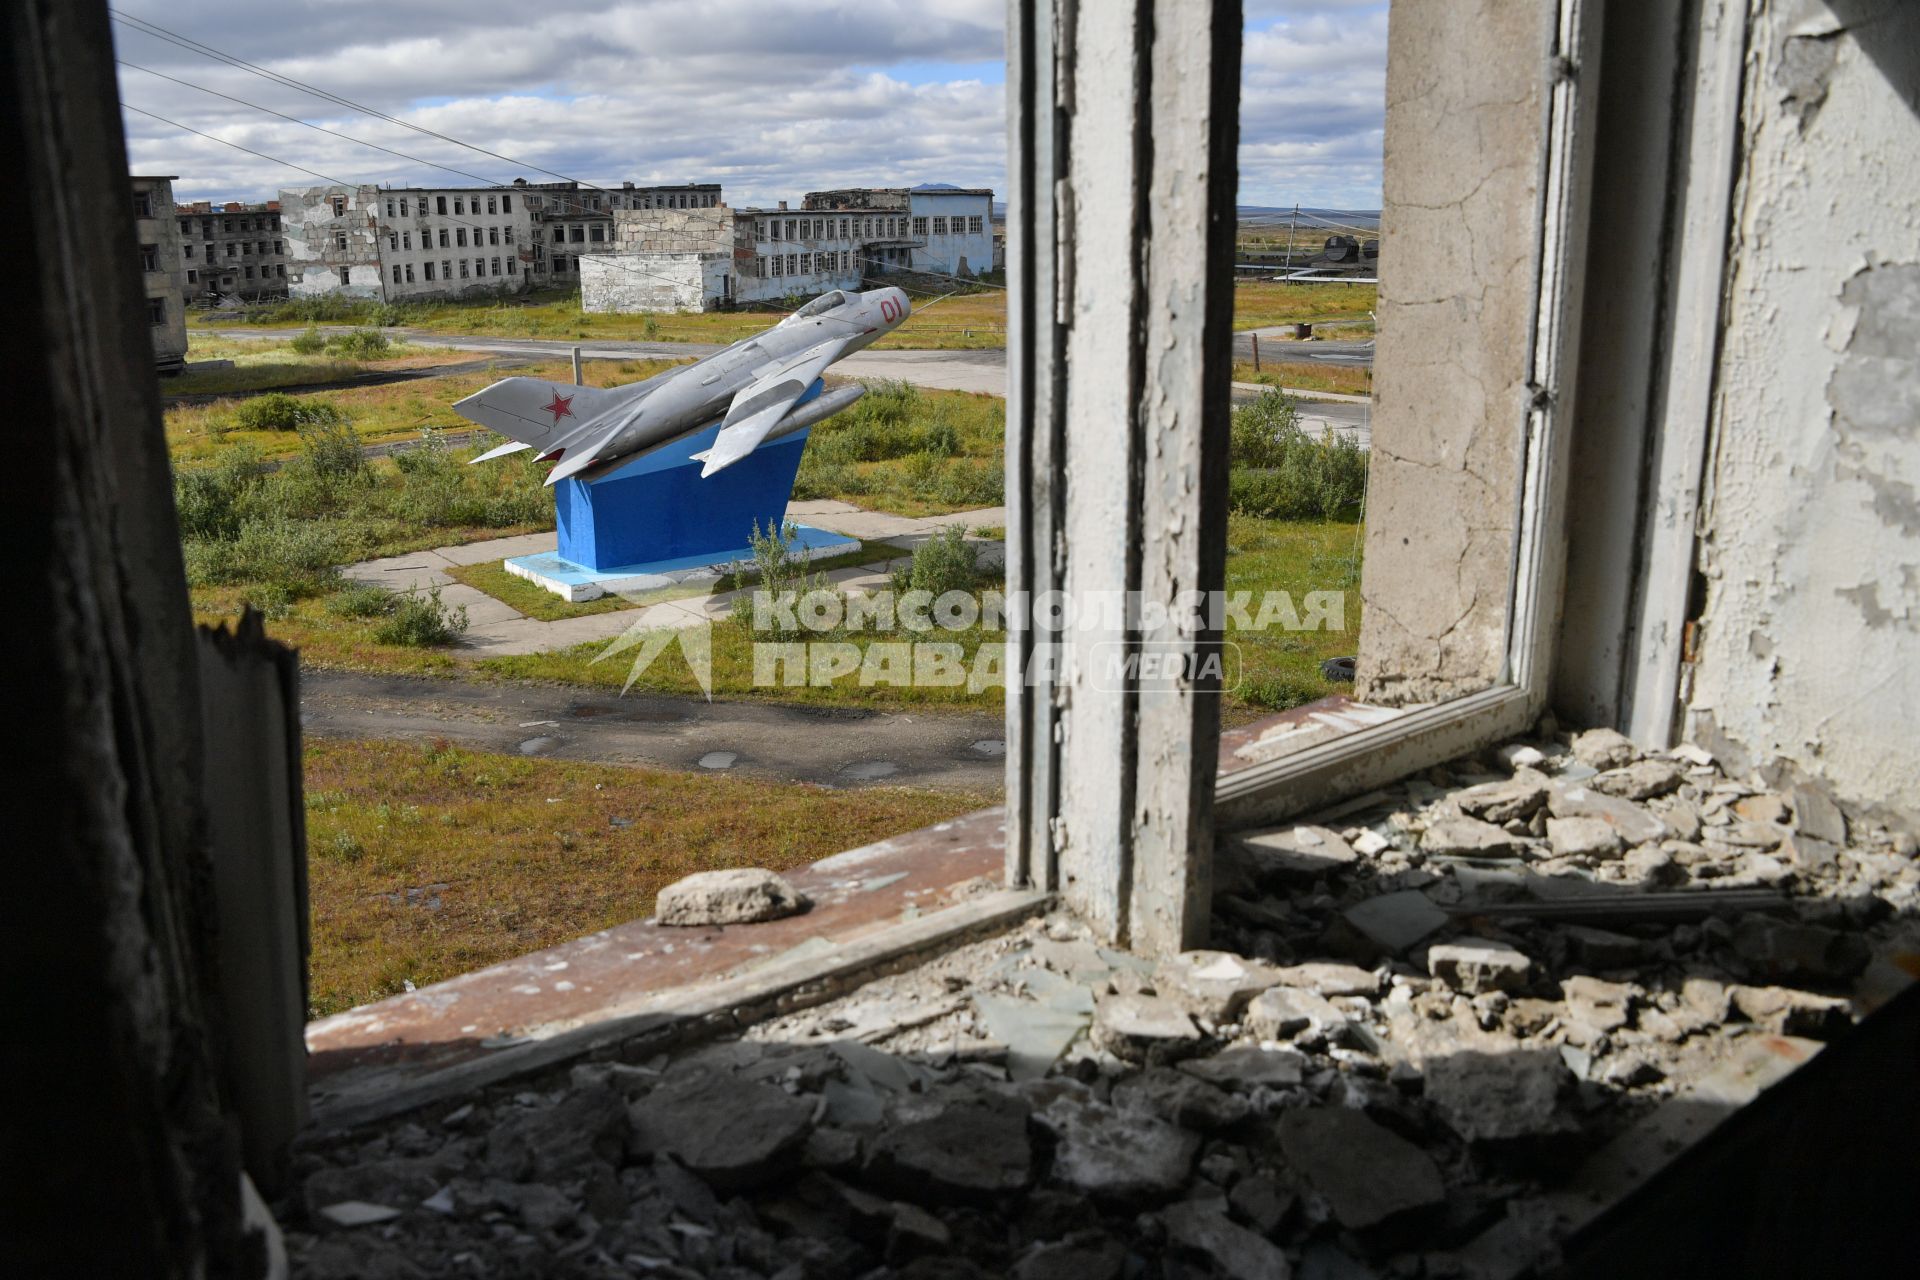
762,740
1278,343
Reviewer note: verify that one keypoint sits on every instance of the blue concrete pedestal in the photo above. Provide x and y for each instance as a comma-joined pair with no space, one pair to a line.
655,523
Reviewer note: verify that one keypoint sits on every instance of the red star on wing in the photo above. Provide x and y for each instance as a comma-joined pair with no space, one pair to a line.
562,407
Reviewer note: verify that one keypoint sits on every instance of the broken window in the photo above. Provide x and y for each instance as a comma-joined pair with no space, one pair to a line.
232,249
443,238
595,234
506,235
439,204
390,207
339,206
493,235
506,204
463,268
193,277
510,266
460,237
403,206
156,310
142,204
577,233
340,242
249,273
490,205
396,273
480,266
186,250
427,269
409,271
496,266
459,206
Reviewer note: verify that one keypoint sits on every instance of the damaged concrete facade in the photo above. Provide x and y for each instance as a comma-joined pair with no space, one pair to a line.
233,250
162,270
426,243
949,229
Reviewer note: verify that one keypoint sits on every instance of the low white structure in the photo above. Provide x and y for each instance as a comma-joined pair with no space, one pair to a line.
646,281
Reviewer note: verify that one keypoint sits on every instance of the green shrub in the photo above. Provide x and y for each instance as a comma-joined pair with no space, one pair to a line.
422,622
972,484
945,562
309,343
329,446
208,500
1282,473
273,600
278,411
1281,691
360,344
361,600
779,569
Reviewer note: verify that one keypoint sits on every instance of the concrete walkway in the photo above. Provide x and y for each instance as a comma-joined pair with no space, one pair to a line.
497,629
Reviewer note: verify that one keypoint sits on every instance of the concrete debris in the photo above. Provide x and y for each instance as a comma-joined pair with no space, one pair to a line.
1474,965
1213,985
1503,1099
1583,838
1371,1178
1641,780
1121,1157
1295,853
1604,749
1391,1060
1396,921
1288,1012
734,1134
1145,1028
1469,838
1234,1252
1501,802
743,895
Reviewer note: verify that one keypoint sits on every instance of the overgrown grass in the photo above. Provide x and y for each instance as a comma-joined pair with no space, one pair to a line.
245,525
1281,667
1301,375
1259,303
395,411
260,364
910,451
968,320
426,861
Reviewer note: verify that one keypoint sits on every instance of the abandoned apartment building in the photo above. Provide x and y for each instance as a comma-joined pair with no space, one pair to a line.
233,250
1579,942
667,259
162,270
416,244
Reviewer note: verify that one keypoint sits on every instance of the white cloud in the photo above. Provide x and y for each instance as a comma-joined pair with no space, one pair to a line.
771,100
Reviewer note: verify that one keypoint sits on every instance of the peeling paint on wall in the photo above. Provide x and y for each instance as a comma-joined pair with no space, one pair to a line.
1810,628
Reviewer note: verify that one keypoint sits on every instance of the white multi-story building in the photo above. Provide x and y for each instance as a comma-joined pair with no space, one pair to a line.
947,230
419,243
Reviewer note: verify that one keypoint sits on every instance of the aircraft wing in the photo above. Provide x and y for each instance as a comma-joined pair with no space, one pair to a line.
758,407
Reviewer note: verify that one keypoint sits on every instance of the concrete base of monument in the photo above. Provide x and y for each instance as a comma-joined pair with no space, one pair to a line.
576,583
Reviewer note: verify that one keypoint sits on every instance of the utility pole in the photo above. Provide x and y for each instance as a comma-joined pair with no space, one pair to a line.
1292,224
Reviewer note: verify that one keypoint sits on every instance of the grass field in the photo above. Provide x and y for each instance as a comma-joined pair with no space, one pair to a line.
1300,375
393,411
426,861
963,321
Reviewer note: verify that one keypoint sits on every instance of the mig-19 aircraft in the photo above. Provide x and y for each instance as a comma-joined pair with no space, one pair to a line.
759,389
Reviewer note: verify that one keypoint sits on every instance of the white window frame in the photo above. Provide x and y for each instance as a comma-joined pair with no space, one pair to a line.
1114,803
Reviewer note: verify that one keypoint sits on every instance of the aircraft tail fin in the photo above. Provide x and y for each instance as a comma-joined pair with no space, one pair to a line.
536,412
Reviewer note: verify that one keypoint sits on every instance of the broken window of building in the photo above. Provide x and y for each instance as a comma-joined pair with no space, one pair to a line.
408,268
156,310
346,275
440,204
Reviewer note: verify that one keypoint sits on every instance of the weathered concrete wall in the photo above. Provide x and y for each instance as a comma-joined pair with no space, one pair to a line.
1809,639
165,284
652,281
673,230
315,255
1463,141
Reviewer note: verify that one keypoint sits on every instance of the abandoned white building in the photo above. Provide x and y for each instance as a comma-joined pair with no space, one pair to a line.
423,243
162,270
233,250
949,229
670,260
1635,500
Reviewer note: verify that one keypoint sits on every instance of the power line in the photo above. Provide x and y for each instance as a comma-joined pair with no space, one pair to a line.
309,124
236,146
186,42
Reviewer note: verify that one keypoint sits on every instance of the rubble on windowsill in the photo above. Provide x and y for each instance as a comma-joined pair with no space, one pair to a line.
1423,1013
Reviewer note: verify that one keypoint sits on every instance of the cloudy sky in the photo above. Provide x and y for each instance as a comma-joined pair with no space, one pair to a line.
770,99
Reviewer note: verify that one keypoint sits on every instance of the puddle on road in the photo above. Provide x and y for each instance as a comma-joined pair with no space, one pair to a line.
719,759
869,770
534,746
